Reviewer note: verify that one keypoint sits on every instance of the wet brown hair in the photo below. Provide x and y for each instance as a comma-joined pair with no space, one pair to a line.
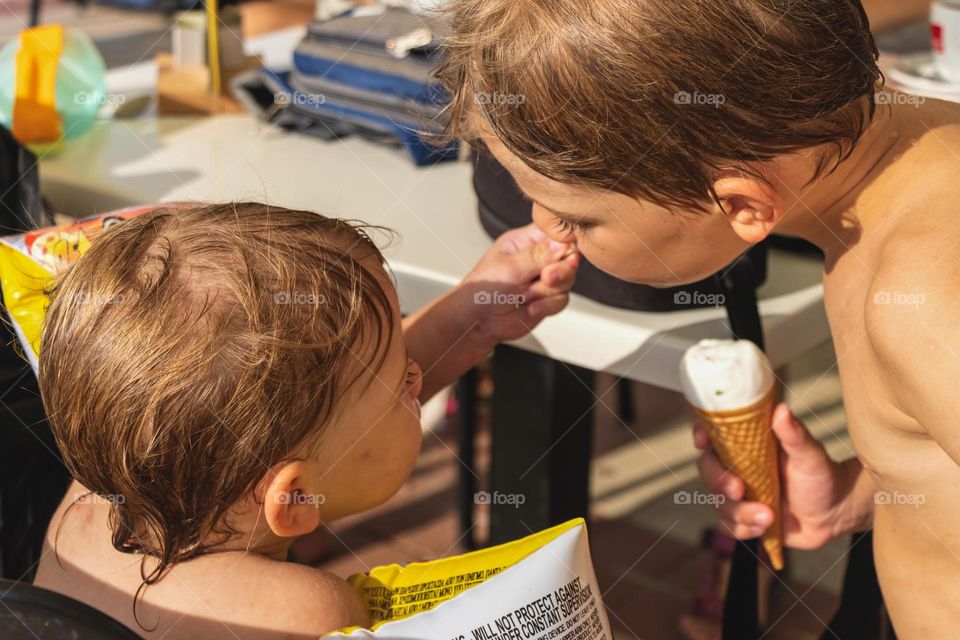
187,352
651,98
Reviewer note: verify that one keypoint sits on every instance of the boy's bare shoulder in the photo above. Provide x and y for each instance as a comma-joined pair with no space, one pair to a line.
912,311
341,604
915,282
301,599
250,597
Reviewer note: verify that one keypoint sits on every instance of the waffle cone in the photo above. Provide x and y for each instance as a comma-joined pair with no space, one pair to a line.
746,445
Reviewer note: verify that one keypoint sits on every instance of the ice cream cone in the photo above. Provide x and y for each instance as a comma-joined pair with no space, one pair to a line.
747,447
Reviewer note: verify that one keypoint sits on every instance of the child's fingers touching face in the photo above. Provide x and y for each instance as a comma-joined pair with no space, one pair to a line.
556,277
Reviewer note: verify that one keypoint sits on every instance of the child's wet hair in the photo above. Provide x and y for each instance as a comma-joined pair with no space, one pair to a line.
191,350
653,98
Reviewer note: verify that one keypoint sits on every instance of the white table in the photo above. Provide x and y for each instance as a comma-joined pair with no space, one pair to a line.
121,163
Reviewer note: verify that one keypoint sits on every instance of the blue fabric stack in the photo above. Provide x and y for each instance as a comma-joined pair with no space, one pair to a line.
366,72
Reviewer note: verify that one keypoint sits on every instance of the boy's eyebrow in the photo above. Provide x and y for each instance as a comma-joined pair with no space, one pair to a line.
573,217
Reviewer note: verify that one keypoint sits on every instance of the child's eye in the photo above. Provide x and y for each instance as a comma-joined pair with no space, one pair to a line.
567,226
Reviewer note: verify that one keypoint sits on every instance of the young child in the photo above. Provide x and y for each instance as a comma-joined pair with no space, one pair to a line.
225,378
665,138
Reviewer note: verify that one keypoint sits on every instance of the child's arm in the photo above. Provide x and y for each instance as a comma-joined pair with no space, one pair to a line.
521,280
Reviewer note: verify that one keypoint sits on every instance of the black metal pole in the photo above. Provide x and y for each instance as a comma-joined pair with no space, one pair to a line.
35,12
740,608
542,425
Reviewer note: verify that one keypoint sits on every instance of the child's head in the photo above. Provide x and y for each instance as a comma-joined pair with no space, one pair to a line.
624,113
225,365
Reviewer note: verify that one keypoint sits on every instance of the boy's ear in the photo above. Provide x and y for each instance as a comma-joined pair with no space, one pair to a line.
290,506
752,206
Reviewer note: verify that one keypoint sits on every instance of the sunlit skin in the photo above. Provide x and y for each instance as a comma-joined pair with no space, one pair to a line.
245,587
886,221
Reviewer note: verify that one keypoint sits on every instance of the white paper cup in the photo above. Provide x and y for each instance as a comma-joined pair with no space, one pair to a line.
945,38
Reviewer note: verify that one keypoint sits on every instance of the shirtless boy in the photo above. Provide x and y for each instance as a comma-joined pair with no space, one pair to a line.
665,138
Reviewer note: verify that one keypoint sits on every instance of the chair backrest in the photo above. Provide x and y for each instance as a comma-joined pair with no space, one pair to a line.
33,613
34,478
21,208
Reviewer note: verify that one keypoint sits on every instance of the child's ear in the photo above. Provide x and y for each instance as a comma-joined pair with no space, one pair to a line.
290,506
752,206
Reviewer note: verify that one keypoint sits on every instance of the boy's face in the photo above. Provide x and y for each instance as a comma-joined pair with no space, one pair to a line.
370,447
634,241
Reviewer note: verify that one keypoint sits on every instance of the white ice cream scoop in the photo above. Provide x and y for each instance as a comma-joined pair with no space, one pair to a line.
720,375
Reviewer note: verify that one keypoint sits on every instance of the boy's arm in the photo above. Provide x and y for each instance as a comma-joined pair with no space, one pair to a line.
913,320
522,279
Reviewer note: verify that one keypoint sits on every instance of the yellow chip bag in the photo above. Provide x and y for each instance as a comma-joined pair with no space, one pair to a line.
541,587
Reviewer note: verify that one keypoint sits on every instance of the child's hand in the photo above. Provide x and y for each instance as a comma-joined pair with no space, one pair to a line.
521,280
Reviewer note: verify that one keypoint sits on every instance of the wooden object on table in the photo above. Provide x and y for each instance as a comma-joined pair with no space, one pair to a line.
186,91
193,79
264,16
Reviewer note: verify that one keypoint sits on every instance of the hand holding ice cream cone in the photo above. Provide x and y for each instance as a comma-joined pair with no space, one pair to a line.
730,385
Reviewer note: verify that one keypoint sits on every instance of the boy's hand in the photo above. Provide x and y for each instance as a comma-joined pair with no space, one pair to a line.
821,499
523,278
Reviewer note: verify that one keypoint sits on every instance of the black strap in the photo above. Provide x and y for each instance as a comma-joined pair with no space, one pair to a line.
861,614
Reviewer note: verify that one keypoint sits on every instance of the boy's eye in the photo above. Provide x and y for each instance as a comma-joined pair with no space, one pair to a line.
568,226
